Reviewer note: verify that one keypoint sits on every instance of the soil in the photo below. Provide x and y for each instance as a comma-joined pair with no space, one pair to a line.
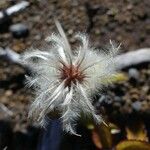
124,21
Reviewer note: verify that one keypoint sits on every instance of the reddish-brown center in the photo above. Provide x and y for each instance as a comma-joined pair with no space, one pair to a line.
71,74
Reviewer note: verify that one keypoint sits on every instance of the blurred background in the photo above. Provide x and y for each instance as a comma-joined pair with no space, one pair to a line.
125,105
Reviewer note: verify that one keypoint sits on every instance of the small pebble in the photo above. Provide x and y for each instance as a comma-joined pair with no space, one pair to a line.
117,105
136,105
8,93
117,99
133,73
19,30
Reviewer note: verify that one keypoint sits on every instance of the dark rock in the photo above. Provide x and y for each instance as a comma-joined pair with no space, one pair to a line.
119,100
117,105
19,30
5,22
112,25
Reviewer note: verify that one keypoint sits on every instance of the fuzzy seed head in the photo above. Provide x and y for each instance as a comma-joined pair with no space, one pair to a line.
71,74
64,79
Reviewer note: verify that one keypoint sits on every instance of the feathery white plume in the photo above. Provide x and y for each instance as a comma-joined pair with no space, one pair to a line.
64,79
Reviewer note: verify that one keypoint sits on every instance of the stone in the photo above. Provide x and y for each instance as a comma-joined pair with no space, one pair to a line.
133,73
136,106
19,30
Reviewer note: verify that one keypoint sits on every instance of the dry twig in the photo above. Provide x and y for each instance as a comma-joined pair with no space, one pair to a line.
122,61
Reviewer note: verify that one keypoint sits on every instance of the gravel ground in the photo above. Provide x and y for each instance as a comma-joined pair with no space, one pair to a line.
124,21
